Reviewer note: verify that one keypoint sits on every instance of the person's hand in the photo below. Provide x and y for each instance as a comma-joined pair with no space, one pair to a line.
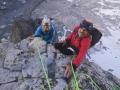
62,40
31,38
68,71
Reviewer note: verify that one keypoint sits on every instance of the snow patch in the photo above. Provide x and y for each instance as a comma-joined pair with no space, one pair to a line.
110,12
113,1
70,0
73,0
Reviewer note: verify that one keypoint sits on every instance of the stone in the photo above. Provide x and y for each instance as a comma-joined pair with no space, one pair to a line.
9,86
12,62
7,76
4,40
21,29
33,68
61,85
22,1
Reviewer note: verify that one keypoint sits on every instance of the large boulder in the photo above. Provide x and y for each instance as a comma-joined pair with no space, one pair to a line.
22,66
21,29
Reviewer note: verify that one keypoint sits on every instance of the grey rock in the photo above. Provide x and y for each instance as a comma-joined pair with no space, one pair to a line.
12,62
4,40
22,1
51,68
2,7
23,45
9,86
61,85
6,76
2,26
1,62
33,68
21,29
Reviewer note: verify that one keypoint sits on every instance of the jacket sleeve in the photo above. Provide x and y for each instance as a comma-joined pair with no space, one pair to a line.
85,44
70,36
38,32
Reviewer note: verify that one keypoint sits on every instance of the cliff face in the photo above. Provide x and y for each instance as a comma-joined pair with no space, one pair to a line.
21,69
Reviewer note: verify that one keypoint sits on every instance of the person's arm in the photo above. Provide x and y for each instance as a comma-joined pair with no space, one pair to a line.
38,32
85,44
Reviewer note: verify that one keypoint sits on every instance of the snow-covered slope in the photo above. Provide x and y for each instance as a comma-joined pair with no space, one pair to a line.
108,56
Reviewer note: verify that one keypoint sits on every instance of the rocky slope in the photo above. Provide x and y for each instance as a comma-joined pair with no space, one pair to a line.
21,69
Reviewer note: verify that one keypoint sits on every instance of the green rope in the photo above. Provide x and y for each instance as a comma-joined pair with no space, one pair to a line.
75,78
46,75
97,87
111,86
114,86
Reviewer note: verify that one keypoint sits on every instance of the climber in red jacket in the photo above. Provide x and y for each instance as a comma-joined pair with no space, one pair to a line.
78,42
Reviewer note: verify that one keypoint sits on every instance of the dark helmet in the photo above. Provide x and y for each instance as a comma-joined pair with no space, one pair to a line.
87,25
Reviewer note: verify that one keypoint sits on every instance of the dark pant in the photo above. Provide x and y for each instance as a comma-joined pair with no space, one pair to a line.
63,48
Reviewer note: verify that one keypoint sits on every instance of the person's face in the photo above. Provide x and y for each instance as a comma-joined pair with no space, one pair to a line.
82,32
46,27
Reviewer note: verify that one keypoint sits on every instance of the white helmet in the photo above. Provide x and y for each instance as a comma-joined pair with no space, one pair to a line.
46,20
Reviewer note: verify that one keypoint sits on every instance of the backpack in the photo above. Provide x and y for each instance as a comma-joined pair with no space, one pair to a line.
96,36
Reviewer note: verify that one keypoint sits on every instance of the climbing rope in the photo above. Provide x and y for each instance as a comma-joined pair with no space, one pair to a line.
75,78
76,82
114,86
46,75
93,82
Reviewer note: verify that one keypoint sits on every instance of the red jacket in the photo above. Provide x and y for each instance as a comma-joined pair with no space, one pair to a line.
82,44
